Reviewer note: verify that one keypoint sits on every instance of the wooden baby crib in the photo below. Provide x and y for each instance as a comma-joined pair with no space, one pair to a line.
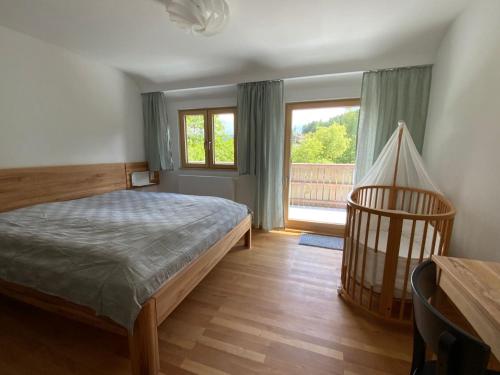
390,230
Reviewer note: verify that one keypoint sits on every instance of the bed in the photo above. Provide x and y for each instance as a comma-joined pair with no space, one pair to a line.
118,259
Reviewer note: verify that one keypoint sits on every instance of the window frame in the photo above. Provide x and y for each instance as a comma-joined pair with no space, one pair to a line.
324,228
208,114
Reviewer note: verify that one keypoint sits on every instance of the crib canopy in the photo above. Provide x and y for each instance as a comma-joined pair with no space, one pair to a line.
396,218
399,164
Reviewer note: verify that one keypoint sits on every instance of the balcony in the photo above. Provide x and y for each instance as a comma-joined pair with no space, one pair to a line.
318,192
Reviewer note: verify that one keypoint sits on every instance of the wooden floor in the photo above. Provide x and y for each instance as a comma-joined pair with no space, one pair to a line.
270,310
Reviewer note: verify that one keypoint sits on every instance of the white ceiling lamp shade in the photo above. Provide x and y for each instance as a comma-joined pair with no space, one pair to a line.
200,17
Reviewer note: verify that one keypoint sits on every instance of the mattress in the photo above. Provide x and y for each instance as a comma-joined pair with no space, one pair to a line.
375,260
111,252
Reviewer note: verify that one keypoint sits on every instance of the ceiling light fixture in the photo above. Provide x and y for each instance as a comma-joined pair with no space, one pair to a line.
200,17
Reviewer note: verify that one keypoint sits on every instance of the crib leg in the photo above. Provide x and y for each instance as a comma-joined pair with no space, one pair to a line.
390,266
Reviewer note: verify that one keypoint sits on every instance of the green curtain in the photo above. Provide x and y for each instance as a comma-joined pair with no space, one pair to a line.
261,133
156,131
388,96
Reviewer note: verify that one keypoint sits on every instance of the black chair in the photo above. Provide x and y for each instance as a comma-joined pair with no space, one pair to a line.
458,353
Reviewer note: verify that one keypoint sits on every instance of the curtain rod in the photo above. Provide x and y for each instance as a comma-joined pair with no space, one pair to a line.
290,78
234,84
398,68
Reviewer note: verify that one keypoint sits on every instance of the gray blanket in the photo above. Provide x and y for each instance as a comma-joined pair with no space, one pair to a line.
110,252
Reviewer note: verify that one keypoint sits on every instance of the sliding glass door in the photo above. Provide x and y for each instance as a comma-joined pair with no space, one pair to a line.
320,152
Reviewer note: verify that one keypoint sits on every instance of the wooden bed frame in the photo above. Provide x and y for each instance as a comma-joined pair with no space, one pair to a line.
27,186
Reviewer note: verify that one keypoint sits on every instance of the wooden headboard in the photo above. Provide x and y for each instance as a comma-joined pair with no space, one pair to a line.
21,187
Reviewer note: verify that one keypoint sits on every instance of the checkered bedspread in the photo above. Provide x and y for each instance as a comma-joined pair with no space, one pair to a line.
110,252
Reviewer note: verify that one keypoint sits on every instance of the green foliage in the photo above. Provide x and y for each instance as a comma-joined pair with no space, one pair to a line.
332,141
325,145
223,143
195,134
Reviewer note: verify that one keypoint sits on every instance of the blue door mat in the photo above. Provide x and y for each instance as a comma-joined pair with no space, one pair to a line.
317,240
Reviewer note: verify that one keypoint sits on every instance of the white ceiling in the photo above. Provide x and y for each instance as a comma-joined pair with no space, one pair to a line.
265,38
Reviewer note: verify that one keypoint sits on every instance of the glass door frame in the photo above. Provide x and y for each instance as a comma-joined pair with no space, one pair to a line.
325,228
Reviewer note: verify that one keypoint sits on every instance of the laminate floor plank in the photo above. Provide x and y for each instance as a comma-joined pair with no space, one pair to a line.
273,309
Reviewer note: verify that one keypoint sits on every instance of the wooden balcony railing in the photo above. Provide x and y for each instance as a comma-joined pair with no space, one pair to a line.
320,185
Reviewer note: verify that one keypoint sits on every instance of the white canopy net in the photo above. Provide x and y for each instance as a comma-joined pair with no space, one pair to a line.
410,167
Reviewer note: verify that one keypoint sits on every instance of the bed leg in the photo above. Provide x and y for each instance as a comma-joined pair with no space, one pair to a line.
143,344
248,238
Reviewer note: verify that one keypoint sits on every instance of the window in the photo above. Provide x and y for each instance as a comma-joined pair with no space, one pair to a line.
208,138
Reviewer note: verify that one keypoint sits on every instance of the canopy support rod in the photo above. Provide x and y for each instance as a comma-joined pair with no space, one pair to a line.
400,137
393,193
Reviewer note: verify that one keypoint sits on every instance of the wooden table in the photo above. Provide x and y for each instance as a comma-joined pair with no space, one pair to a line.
474,288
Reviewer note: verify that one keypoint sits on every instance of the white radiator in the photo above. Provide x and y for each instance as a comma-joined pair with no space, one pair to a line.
223,187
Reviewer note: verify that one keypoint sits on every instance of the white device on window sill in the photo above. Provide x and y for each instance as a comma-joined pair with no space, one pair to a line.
140,179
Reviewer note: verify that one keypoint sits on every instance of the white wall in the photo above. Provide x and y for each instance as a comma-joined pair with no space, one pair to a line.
59,108
462,138
298,89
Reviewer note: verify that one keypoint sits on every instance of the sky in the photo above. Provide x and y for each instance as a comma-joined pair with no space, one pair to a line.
227,120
